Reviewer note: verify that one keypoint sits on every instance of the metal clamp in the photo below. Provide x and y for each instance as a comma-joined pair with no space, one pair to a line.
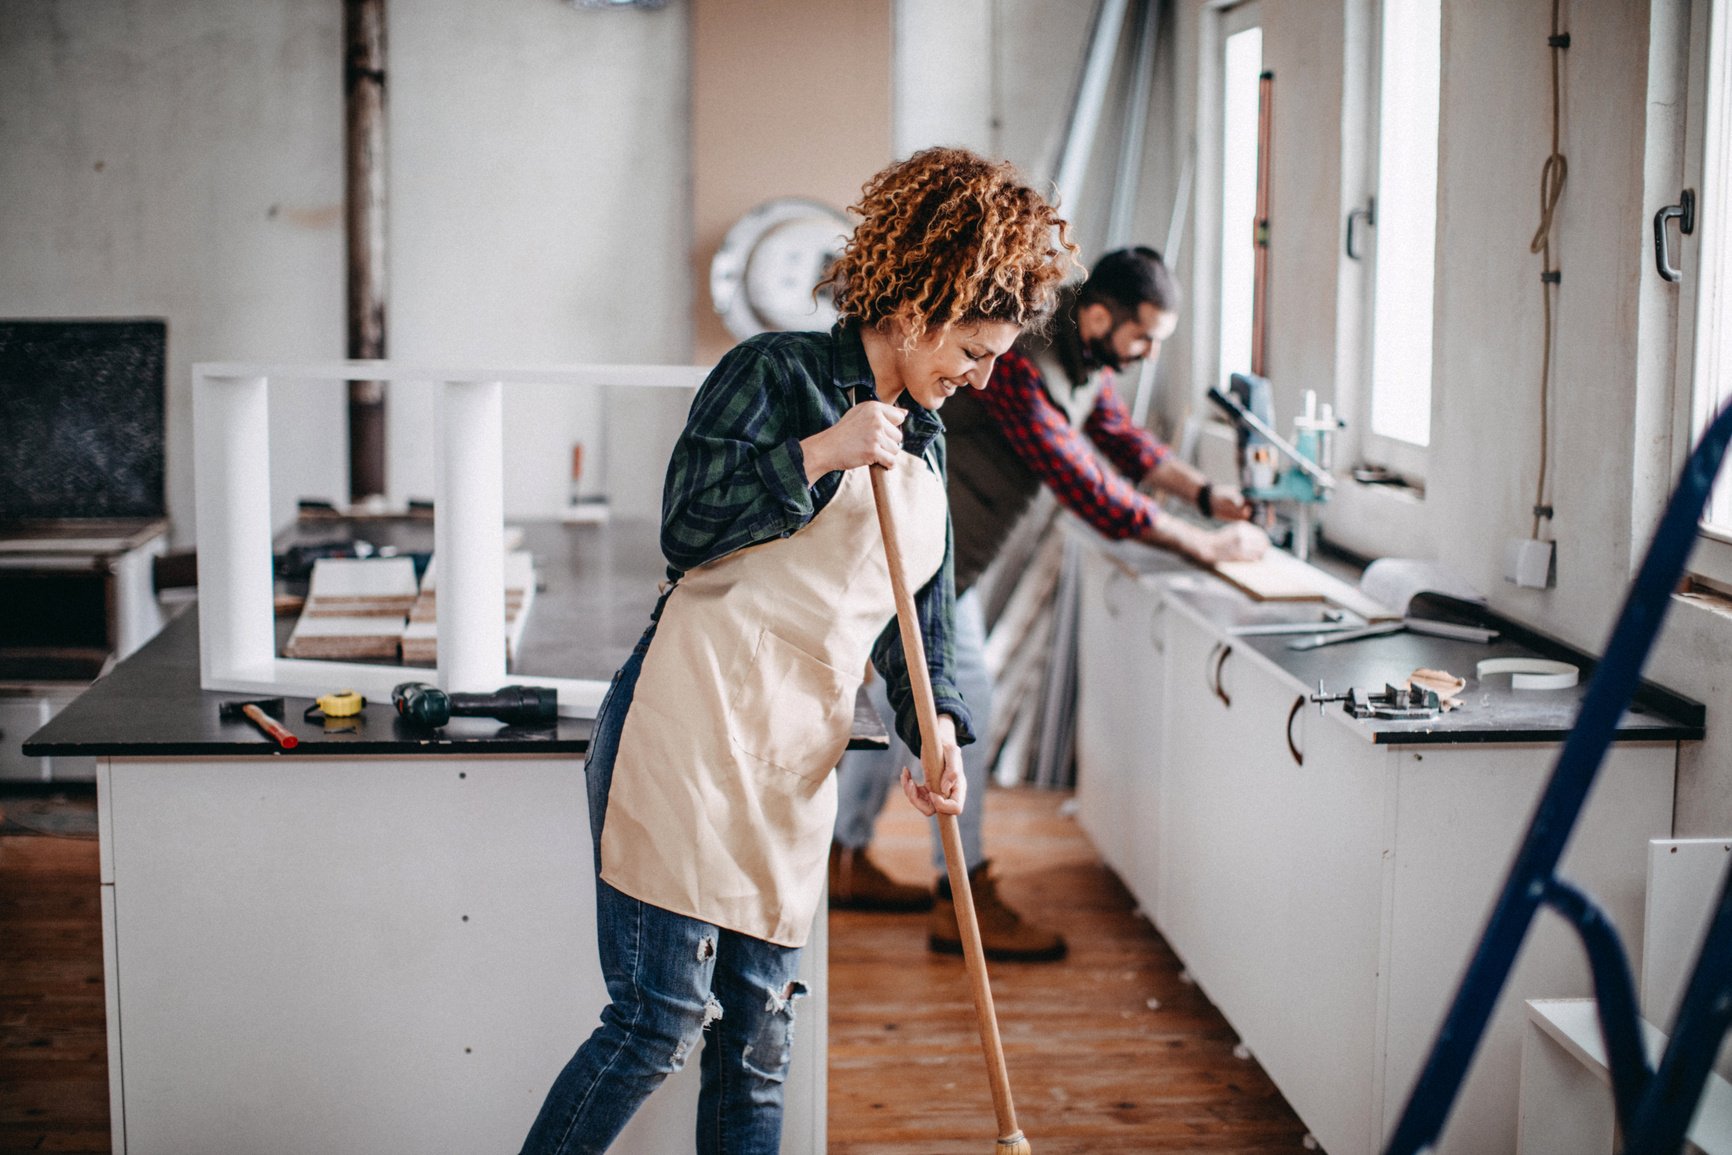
1684,212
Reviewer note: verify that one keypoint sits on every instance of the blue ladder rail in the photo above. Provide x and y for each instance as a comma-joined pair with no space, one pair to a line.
1654,1107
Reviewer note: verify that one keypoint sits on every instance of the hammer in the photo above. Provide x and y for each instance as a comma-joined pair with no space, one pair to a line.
259,712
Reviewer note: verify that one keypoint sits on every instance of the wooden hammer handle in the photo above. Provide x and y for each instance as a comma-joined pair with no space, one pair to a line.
955,861
271,726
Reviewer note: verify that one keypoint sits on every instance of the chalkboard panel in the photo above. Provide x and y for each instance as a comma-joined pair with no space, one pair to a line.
81,419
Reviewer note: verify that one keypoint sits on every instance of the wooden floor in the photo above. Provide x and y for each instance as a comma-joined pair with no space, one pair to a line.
53,1037
1108,1051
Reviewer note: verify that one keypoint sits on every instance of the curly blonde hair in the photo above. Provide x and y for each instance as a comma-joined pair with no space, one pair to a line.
947,237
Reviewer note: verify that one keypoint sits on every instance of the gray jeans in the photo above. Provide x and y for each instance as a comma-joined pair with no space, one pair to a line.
866,777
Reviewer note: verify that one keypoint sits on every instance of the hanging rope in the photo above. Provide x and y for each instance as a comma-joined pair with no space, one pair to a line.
1552,176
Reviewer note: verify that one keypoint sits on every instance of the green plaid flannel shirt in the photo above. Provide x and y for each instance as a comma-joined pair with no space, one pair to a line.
737,477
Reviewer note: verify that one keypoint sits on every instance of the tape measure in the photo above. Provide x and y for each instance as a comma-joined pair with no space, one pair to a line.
342,704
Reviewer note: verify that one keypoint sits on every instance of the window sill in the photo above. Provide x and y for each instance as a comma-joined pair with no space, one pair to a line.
1707,599
1379,521
1375,476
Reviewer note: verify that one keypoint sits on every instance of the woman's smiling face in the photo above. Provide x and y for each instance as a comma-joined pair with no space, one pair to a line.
954,357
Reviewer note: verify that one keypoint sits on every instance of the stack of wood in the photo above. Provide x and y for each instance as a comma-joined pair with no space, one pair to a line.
1019,592
356,608
421,637
372,609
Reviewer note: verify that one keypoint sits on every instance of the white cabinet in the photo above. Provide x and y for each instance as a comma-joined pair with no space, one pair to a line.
378,955
1326,892
1214,829
1120,691
1329,825
1459,815
25,710
1273,884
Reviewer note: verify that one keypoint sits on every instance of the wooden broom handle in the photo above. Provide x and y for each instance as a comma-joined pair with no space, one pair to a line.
1010,1137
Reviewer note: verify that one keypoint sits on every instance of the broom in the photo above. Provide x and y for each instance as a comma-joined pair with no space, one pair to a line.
1010,1137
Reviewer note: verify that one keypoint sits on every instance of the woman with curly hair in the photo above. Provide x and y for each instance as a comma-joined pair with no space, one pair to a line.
711,791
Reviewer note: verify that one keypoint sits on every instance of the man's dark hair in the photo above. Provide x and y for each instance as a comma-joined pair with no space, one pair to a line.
1125,278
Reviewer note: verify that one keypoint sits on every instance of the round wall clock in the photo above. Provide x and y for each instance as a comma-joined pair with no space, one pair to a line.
762,276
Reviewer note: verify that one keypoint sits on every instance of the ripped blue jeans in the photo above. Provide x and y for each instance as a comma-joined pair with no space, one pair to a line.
673,981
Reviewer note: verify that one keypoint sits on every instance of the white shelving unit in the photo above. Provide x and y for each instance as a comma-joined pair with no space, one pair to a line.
231,433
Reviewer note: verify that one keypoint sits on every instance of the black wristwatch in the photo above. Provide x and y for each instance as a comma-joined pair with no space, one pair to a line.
1206,499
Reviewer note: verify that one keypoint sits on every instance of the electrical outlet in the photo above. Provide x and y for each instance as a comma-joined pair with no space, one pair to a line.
1530,564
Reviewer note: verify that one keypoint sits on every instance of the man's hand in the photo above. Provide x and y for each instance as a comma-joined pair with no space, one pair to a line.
870,433
1228,504
1235,541
952,789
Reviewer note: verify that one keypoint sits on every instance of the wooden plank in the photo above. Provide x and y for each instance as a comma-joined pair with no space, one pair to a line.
1279,576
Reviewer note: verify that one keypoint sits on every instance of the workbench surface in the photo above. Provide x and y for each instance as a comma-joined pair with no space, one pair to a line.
1492,711
598,584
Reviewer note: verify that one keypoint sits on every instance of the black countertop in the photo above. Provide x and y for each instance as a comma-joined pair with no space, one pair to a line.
596,587
1491,711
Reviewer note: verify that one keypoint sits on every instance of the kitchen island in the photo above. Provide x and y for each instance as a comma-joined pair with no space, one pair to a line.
382,940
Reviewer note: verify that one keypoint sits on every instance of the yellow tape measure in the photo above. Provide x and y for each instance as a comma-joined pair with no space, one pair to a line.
342,704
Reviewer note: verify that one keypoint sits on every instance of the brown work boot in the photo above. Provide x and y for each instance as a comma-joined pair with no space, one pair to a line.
1003,933
856,883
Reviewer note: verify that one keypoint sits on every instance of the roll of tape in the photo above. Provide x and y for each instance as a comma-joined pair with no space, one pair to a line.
1532,673
342,704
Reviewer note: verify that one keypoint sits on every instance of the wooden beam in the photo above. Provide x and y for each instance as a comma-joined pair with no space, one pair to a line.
364,221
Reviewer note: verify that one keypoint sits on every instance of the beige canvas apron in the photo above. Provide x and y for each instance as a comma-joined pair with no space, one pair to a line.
1075,401
723,800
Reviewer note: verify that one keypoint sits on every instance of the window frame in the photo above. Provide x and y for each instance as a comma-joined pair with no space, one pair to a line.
1704,259
1229,21
1408,460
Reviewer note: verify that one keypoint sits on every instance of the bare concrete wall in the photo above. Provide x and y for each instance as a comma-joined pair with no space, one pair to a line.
180,161
183,160
540,214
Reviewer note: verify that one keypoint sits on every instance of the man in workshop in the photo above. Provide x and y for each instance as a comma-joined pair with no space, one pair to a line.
1027,428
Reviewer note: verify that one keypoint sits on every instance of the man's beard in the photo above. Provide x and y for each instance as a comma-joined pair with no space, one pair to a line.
1099,352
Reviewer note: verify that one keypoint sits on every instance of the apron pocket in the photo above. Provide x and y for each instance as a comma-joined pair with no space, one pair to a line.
791,710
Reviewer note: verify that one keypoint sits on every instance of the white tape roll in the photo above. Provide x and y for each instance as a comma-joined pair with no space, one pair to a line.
1532,673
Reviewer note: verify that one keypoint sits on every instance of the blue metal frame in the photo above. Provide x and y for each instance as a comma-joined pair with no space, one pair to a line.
1654,1107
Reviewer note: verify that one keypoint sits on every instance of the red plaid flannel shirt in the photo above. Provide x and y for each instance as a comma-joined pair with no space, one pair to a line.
1043,437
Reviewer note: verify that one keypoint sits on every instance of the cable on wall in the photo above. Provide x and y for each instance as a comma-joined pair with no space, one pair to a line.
1552,175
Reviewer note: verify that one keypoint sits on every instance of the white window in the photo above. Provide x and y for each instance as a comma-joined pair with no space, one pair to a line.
1699,261
1404,269
1705,331
1241,68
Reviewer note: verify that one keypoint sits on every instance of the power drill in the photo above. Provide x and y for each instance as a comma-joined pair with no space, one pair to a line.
432,707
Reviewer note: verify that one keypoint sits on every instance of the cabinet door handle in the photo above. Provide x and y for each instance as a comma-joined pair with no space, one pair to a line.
1298,754
1220,664
1109,597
